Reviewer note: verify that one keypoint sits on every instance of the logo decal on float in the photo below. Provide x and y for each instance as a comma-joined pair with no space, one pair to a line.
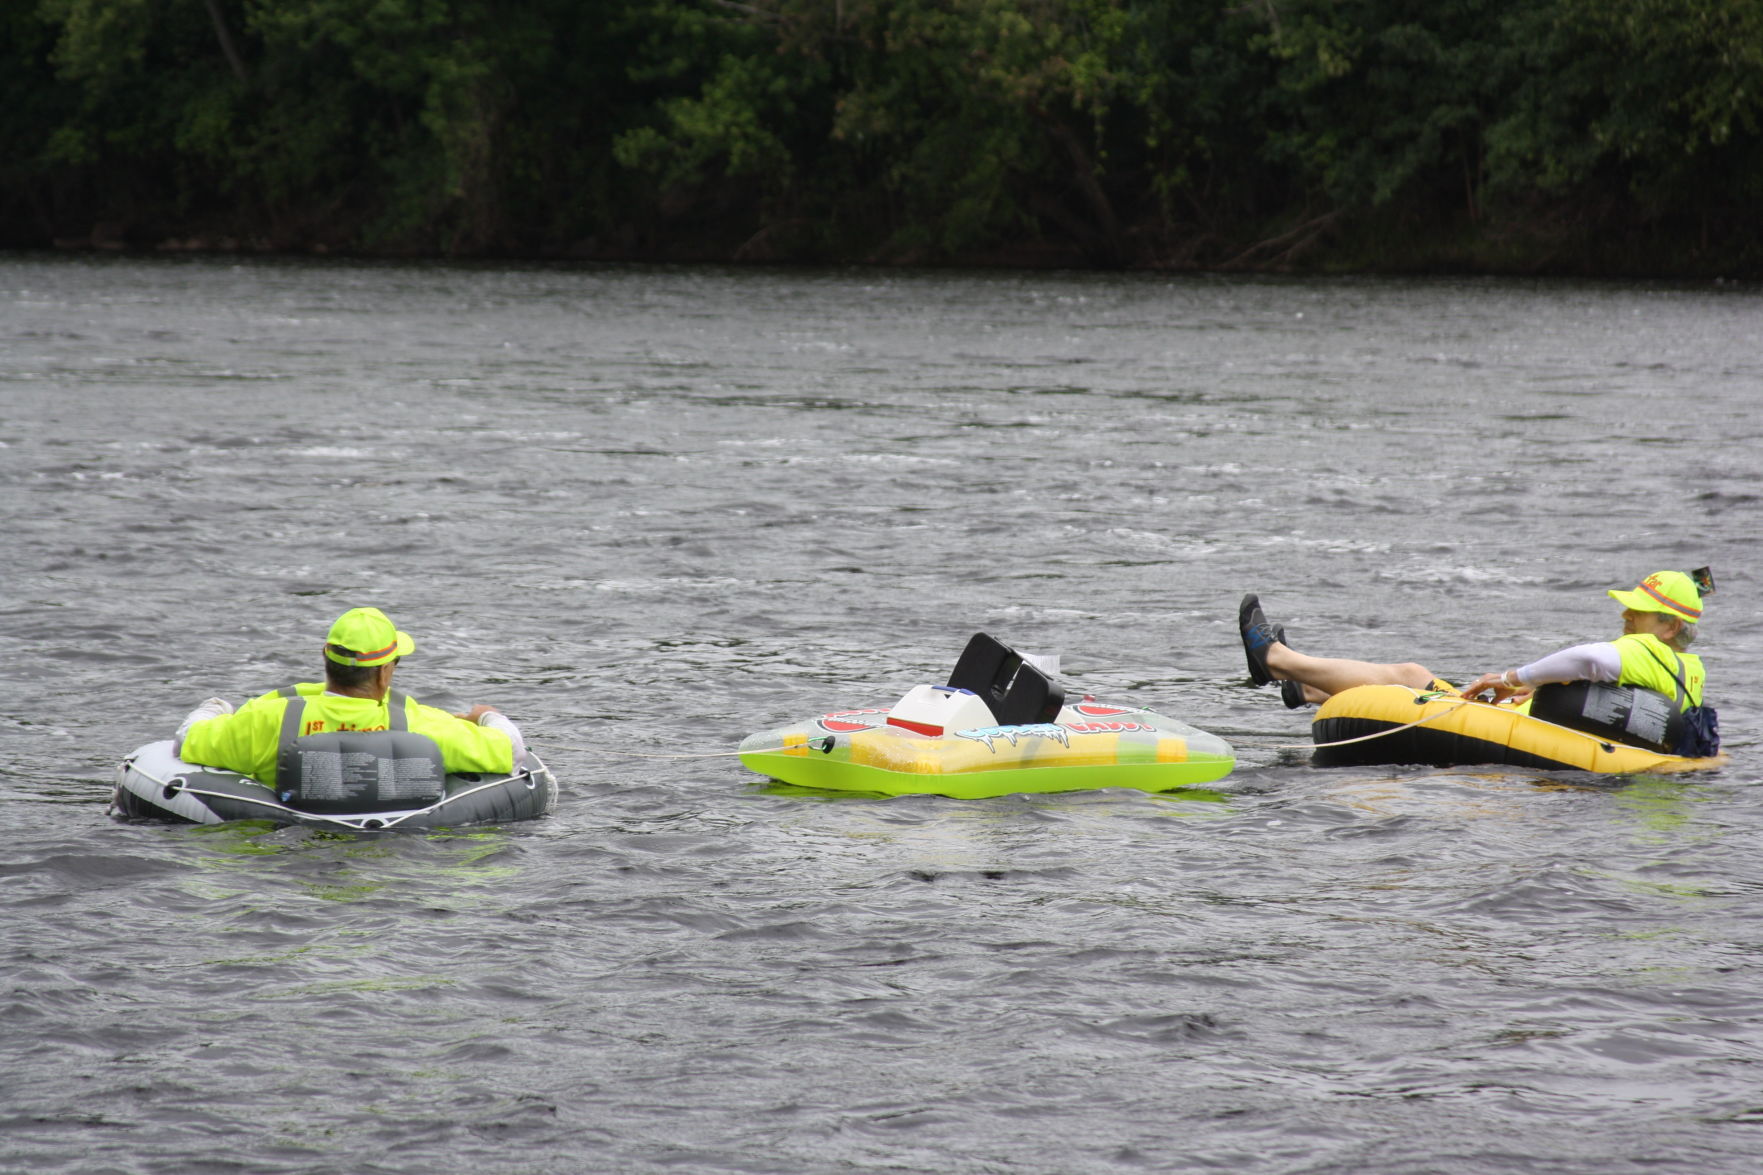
1097,710
1106,727
985,734
839,723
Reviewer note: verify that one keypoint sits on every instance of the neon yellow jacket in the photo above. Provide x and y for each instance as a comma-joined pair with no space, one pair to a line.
247,740
1642,654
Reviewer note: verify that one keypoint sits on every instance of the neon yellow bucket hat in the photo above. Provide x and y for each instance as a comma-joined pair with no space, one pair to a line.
363,636
1670,592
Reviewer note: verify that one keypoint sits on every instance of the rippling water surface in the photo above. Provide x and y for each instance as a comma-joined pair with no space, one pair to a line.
653,510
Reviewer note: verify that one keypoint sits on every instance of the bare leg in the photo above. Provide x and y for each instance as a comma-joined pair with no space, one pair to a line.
1322,677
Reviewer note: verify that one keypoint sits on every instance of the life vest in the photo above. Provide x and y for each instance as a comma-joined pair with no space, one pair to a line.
1657,704
1650,662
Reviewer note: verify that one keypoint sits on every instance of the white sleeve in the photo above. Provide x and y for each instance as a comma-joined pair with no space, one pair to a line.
505,724
1593,662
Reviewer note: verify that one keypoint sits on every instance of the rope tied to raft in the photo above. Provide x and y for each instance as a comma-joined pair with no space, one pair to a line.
1458,702
823,744
1419,700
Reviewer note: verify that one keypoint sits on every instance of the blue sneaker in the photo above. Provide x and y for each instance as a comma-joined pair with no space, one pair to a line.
1257,635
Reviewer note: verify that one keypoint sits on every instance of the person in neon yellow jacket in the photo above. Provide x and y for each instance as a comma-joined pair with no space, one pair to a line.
360,653
1659,619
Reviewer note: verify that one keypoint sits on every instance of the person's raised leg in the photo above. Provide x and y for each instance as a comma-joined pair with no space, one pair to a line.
1330,675
1271,659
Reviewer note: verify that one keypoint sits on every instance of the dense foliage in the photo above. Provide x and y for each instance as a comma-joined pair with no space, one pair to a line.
1573,134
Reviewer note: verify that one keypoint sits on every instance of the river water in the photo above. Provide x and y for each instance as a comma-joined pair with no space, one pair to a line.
651,510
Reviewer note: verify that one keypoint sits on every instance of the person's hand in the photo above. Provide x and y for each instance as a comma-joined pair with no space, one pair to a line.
476,713
1500,685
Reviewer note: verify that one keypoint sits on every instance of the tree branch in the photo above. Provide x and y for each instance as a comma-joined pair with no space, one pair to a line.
226,43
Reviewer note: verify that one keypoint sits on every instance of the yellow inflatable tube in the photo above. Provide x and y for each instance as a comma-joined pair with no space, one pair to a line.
1372,724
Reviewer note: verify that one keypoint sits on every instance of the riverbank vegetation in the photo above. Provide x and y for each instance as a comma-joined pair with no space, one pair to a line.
1586,136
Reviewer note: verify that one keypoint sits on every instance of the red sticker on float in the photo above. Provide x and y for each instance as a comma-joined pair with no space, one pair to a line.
1097,710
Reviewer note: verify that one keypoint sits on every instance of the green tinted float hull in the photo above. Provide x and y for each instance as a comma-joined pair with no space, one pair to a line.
1090,746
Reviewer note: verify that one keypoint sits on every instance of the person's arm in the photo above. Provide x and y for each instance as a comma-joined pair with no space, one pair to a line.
1599,661
212,708
496,720
495,746
242,740
1595,662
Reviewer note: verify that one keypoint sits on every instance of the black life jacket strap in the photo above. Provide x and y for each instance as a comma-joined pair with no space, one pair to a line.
1683,691
290,721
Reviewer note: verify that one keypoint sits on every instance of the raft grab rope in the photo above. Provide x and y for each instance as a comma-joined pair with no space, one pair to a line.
1419,700
1422,699
179,785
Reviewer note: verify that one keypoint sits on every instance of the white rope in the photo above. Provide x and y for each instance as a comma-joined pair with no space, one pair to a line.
186,789
363,823
1457,703
1460,702
810,745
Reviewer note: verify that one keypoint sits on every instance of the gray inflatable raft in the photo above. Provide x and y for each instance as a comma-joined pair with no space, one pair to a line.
154,784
